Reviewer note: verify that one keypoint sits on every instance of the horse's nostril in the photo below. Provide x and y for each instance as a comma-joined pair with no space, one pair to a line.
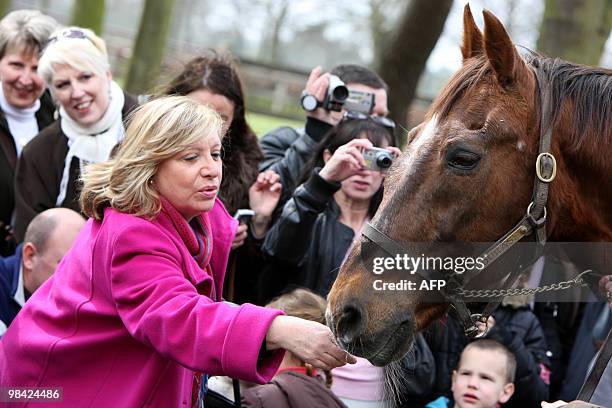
351,322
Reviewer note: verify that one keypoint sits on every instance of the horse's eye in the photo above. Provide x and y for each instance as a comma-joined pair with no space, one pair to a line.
462,159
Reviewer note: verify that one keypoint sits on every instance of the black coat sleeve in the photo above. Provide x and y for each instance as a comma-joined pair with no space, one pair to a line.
36,184
290,237
287,150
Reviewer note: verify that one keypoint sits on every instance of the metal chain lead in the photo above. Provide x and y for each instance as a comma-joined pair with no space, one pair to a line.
496,293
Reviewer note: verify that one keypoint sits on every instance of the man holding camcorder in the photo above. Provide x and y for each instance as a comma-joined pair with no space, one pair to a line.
347,90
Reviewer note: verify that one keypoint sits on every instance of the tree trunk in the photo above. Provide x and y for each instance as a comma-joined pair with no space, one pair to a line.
279,22
88,14
276,16
149,46
575,30
377,24
404,56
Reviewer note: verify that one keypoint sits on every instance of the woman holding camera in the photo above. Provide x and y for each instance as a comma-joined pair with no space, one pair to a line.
324,215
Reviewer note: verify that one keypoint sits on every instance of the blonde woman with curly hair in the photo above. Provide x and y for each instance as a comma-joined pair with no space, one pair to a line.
133,314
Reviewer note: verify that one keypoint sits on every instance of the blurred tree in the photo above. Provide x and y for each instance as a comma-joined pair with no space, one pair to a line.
405,54
186,27
575,30
277,12
149,46
88,14
381,22
5,7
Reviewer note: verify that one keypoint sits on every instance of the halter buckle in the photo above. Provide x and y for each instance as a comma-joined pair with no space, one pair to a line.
539,172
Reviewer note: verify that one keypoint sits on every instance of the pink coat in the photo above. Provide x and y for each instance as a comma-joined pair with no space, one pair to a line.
126,319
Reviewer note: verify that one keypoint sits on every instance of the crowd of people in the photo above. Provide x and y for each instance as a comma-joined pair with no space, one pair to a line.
127,280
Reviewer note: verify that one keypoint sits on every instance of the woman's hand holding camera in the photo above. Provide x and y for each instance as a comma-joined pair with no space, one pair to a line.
346,161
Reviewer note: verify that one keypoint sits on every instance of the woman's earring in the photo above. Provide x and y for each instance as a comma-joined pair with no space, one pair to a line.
150,181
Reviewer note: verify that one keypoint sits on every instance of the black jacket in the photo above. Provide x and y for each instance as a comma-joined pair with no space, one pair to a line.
8,163
287,150
39,173
308,239
518,330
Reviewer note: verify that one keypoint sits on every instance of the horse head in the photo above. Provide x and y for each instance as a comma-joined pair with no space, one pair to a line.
467,175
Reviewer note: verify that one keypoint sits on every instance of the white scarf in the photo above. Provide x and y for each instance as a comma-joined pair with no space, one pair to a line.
21,122
92,144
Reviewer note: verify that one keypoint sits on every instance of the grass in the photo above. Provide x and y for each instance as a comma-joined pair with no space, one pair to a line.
262,124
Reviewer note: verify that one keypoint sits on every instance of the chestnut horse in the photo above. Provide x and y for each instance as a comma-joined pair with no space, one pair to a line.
467,174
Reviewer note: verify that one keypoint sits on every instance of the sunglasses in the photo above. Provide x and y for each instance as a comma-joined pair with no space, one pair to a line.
69,33
380,120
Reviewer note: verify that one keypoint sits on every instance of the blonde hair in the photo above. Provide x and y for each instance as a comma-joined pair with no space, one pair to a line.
25,29
157,131
307,305
83,54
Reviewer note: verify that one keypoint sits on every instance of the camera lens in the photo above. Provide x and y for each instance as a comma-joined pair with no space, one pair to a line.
384,161
340,93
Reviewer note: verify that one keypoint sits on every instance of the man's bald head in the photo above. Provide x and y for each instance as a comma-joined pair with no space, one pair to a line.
47,239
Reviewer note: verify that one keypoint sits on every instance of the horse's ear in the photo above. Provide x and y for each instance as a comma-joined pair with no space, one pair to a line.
499,49
472,37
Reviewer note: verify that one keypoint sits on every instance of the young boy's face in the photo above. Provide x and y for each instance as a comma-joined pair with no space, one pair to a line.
480,381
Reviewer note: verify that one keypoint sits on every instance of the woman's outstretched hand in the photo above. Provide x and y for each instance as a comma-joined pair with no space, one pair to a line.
310,341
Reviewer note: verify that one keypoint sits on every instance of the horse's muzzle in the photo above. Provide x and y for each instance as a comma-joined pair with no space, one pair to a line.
355,333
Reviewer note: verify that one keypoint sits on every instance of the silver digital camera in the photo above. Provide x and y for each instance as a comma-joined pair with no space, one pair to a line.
377,159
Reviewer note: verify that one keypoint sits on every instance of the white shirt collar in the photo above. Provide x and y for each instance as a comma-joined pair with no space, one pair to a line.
20,293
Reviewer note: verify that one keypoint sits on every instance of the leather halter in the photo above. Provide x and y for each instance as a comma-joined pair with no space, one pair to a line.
534,220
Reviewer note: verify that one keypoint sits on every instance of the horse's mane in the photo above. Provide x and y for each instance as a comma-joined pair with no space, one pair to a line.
589,88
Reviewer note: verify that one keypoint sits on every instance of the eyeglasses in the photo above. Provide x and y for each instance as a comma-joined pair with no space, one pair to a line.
380,120
69,33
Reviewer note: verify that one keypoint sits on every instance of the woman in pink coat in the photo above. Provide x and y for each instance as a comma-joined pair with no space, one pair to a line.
132,317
